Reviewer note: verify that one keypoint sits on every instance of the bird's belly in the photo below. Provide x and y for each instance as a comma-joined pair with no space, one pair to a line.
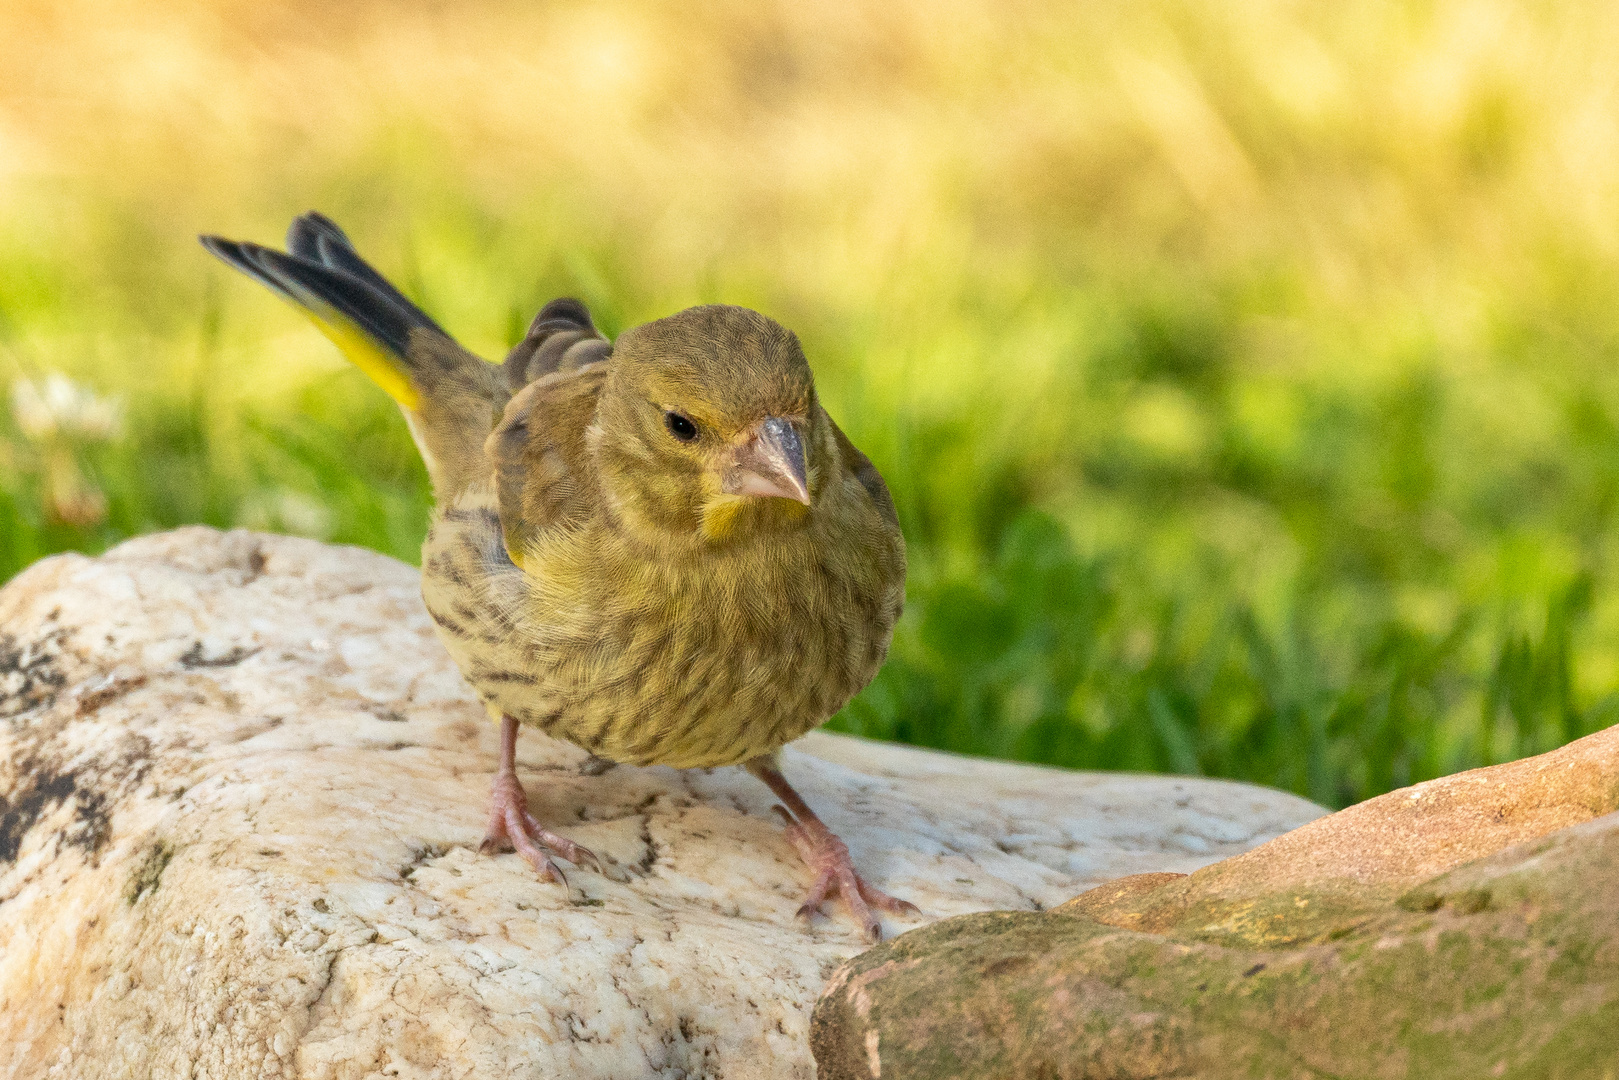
687,681
688,700
682,699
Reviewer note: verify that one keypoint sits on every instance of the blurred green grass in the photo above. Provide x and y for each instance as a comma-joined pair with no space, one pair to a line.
1244,373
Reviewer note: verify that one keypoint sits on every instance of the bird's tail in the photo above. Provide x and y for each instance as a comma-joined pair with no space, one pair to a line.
450,396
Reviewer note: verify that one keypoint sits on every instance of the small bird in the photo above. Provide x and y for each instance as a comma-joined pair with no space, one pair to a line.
661,549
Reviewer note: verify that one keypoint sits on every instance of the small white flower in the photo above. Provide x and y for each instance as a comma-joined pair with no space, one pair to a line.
32,414
303,516
63,407
284,510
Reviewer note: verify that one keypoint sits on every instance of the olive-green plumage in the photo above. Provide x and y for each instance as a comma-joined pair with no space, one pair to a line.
663,550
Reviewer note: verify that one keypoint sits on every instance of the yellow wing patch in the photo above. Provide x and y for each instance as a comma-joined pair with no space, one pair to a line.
514,548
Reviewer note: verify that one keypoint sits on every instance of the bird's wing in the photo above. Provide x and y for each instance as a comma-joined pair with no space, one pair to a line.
450,396
562,337
545,476
864,471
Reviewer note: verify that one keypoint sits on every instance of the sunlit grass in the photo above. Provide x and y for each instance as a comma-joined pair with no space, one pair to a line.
1245,374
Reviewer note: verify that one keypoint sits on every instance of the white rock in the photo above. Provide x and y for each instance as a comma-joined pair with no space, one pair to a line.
243,789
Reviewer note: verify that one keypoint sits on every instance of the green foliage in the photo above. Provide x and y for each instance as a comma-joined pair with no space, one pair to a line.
1046,656
1245,378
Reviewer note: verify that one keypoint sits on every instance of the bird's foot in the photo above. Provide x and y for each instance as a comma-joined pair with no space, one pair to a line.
511,824
829,858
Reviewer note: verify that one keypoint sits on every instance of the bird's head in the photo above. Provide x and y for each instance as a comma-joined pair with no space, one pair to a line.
707,426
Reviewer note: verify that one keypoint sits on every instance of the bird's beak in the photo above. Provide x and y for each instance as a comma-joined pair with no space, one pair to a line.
769,463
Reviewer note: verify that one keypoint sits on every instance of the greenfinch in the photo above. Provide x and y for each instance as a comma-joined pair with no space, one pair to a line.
661,549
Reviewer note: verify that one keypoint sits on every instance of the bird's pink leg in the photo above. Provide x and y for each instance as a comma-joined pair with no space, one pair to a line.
827,856
511,823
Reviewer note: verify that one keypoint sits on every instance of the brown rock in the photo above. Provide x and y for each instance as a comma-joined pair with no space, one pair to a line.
1366,856
1462,928
1114,896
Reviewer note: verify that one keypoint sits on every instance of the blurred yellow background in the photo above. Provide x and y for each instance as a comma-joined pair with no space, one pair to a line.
1244,372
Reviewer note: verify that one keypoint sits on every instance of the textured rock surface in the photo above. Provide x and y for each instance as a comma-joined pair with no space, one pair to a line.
1467,927
241,789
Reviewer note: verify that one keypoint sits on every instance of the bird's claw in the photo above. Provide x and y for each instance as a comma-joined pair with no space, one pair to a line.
834,870
511,823
577,854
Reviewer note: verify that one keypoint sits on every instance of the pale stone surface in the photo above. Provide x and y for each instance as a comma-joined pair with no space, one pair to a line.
241,792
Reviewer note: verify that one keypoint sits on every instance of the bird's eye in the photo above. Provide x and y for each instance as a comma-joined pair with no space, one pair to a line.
680,427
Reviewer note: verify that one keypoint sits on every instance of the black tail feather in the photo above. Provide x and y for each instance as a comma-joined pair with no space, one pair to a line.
451,396
316,237
385,315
